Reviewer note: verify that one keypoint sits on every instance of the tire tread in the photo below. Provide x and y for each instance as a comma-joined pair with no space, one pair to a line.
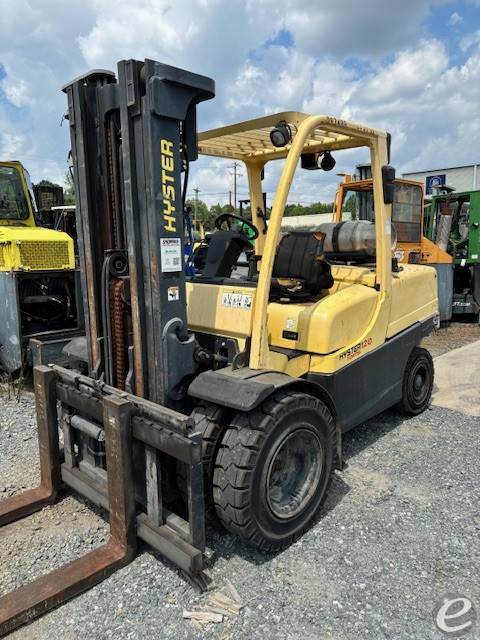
235,457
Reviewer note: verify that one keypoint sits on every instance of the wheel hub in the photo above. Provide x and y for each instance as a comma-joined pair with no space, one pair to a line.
420,386
294,473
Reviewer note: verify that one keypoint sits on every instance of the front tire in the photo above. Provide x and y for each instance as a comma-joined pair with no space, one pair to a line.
273,469
417,382
209,420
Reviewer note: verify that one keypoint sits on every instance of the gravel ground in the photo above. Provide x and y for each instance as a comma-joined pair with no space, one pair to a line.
456,334
399,530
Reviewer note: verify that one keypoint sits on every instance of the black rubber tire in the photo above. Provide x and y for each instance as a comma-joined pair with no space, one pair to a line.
415,401
242,466
209,419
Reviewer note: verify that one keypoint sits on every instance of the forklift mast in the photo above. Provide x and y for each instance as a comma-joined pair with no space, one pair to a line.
131,139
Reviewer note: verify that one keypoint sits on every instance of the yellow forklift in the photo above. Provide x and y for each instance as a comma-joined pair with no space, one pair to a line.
37,278
412,246
239,386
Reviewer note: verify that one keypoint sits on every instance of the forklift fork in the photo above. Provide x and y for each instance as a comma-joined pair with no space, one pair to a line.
181,541
49,591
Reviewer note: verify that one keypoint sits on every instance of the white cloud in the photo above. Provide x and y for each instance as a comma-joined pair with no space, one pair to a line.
408,75
470,40
136,28
428,105
38,55
377,65
455,19
345,28
12,145
432,102
278,81
206,36
16,92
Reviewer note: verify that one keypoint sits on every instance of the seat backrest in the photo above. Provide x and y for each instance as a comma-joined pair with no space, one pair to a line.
299,257
223,253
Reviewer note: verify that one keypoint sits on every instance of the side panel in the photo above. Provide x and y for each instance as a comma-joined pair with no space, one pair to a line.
10,329
220,309
414,297
325,326
372,383
432,254
356,393
445,290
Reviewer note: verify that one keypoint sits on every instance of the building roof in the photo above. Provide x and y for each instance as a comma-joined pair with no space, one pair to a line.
463,166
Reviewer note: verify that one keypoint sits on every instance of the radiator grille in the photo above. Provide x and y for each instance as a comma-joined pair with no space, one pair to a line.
2,257
44,255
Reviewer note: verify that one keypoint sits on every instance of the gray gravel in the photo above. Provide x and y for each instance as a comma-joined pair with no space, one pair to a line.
451,336
400,529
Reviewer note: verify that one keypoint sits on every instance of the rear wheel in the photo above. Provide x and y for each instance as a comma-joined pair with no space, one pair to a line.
273,468
417,382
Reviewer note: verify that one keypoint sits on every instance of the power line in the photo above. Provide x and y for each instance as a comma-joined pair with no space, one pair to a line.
196,190
236,175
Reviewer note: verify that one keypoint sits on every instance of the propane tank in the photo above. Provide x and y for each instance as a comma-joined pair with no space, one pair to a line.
355,237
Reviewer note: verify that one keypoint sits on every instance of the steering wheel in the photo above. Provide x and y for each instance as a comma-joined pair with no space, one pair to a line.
227,218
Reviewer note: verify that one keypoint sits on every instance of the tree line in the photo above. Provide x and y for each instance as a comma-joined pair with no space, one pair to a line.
207,214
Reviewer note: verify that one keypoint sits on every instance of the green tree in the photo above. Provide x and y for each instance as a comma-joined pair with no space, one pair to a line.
217,210
350,204
306,210
69,190
204,214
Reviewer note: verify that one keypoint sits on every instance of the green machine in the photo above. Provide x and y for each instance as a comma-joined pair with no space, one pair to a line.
452,222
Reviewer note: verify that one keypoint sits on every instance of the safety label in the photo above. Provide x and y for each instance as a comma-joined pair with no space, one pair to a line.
171,254
237,300
173,294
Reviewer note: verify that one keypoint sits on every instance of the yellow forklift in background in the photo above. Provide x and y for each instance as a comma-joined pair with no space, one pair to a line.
243,382
37,279
412,247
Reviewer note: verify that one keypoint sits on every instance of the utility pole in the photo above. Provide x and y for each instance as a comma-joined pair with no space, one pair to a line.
195,207
230,199
236,175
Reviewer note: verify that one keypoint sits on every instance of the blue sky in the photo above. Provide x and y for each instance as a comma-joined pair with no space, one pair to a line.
412,68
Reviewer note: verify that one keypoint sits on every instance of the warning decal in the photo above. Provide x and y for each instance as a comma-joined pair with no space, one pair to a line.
171,254
237,300
173,294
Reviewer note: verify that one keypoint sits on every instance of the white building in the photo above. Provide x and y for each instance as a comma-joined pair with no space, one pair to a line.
307,222
464,178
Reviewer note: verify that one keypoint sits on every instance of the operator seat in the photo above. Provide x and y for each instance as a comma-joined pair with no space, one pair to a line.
223,253
299,270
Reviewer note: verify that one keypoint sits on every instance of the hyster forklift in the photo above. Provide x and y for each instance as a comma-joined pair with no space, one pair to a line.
233,392
412,246
38,315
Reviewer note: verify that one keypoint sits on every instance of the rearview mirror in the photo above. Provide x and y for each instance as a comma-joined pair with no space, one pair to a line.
388,176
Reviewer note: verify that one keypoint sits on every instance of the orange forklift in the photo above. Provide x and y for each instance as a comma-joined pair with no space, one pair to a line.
412,246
